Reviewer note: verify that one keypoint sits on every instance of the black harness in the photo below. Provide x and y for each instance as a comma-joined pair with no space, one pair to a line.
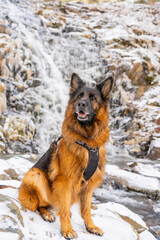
92,161
44,162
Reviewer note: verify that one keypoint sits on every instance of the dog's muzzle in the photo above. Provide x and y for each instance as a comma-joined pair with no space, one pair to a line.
82,111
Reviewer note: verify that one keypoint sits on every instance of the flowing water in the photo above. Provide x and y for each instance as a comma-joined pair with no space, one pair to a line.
51,93
52,57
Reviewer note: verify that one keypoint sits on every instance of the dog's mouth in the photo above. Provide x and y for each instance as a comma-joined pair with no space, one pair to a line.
83,116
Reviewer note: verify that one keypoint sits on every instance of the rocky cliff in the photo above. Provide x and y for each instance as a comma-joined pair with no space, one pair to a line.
43,42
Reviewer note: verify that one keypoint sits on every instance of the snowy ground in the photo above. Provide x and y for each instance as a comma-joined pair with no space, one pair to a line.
117,221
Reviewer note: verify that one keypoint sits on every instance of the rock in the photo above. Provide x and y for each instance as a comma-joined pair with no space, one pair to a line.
145,169
2,87
94,207
36,69
131,218
37,107
20,86
29,73
72,28
154,153
135,149
133,181
36,82
132,165
19,130
19,146
136,74
15,219
2,146
4,177
12,173
34,157
117,221
140,76
157,129
154,150
4,29
157,121
2,98
9,224
130,142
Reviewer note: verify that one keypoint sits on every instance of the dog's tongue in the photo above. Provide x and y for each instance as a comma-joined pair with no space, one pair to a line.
82,114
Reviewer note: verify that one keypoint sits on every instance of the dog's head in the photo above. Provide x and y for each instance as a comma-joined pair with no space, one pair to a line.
87,101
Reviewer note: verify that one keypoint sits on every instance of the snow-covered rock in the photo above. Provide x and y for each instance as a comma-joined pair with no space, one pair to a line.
145,169
134,181
117,221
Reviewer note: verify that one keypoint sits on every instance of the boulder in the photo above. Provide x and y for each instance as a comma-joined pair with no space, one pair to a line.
154,149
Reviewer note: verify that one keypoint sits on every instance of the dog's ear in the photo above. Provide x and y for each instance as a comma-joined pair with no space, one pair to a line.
76,83
105,87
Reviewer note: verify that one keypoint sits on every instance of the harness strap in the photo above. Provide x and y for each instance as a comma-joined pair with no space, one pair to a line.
57,141
92,161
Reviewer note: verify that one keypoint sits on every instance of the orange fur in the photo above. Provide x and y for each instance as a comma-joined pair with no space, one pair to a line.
63,184
35,190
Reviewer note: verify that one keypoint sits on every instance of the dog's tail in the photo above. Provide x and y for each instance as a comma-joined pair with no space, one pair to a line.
5,186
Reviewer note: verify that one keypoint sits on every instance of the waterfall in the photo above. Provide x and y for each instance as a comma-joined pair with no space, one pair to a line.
43,59
50,96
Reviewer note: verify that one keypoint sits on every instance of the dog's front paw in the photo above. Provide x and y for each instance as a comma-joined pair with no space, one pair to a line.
46,214
95,230
69,234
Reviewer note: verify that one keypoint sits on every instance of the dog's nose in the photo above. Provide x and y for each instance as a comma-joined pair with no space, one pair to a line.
82,104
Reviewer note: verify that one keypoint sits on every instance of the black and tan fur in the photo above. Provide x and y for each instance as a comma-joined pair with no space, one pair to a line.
57,179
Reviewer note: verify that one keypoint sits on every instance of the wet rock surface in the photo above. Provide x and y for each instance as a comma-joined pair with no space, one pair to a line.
41,44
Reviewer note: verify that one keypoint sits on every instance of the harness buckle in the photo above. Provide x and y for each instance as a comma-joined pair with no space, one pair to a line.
93,149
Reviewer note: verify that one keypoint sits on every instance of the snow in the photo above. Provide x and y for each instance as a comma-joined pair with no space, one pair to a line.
146,236
108,216
104,219
8,236
14,183
123,211
133,180
147,170
19,163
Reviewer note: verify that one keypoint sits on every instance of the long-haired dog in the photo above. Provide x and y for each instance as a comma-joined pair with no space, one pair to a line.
70,170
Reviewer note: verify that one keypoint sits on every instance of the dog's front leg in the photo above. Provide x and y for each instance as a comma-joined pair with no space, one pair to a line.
62,196
85,202
66,227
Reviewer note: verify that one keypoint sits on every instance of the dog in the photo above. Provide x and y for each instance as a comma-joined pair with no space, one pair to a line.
74,166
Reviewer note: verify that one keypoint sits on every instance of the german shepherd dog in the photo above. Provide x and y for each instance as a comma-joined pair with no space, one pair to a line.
65,174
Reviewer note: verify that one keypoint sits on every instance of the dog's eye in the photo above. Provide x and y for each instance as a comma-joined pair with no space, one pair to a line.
80,95
92,97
